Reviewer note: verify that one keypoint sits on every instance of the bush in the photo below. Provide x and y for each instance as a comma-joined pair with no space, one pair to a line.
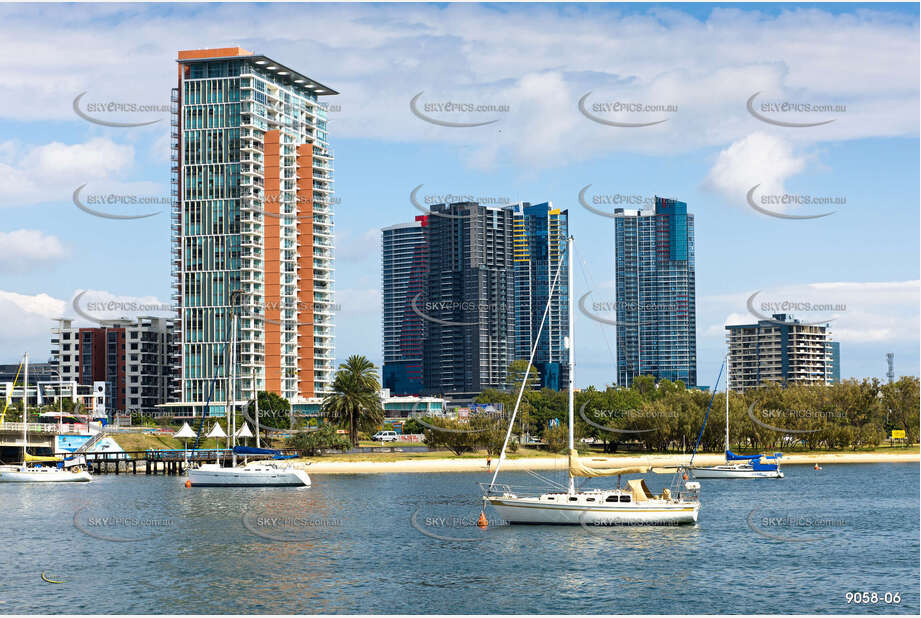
490,434
557,438
870,435
310,443
457,436
413,426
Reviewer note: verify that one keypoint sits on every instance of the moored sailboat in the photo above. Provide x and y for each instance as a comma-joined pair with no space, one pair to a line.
740,466
634,504
256,474
64,470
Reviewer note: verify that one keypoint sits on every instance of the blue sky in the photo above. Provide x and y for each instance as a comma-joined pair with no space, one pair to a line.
706,60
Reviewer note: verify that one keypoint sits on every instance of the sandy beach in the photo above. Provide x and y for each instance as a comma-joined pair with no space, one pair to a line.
467,464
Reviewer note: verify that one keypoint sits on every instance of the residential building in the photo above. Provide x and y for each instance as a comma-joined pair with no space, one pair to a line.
468,307
404,263
132,358
834,359
464,291
540,232
779,350
252,222
655,293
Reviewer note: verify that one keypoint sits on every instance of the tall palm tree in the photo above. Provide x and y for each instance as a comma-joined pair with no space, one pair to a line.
355,400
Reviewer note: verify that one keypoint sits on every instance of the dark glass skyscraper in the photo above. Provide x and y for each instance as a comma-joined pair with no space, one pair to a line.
469,300
656,314
465,288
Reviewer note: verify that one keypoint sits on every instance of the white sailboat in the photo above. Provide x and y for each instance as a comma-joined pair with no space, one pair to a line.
740,466
25,473
256,474
634,504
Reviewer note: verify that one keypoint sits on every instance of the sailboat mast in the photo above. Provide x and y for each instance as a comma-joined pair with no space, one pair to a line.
572,359
727,402
25,411
233,376
256,403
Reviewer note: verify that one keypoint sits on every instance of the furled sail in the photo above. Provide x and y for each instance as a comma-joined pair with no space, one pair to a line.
577,468
730,456
252,450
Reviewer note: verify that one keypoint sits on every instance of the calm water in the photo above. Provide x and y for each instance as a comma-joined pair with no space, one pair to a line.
158,547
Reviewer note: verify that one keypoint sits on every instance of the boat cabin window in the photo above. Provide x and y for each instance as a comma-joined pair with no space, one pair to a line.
625,498
589,499
611,499
573,499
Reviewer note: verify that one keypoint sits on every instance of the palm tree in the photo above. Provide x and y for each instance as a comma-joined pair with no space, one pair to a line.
355,400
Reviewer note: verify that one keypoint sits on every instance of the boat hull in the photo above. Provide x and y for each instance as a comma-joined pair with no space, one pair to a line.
525,511
734,473
216,476
44,475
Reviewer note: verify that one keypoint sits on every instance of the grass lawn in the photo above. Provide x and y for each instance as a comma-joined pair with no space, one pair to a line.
144,441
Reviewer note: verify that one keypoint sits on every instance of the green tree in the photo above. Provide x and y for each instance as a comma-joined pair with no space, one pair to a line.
274,411
310,443
644,385
355,400
413,426
490,434
900,402
557,438
456,436
516,376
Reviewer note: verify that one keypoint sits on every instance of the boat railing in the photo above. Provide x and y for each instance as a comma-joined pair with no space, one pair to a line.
522,491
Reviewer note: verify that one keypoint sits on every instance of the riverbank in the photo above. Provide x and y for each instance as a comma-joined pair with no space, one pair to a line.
559,462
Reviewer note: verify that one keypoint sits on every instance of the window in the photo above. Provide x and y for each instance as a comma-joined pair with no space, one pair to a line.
611,499
625,498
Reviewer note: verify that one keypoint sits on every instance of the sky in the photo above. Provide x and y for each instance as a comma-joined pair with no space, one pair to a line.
715,88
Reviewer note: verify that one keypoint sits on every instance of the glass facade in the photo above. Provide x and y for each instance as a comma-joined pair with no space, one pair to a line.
540,233
252,224
656,302
403,273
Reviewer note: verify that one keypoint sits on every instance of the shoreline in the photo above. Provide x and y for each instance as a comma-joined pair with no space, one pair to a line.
469,464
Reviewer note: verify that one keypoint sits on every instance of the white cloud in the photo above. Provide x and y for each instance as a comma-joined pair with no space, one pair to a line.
26,322
25,251
758,159
859,312
378,57
90,306
51,172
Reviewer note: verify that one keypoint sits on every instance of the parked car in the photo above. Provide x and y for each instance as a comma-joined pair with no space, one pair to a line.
385,436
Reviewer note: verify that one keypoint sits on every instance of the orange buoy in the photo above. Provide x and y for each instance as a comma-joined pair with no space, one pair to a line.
188,483
817,467
684,476
481,522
